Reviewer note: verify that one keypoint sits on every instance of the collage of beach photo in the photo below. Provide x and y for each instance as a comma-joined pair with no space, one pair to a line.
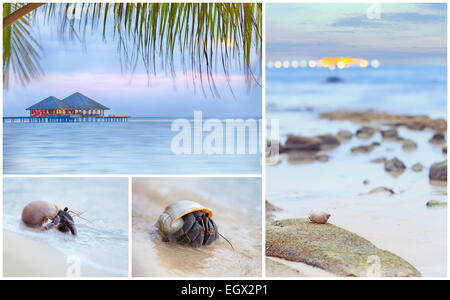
229,140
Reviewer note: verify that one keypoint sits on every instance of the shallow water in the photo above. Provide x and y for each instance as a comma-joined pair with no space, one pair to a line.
102,244
236,203
140,146
396,89
400,223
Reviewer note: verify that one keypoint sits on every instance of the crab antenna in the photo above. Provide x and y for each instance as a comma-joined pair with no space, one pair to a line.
79,216
227,241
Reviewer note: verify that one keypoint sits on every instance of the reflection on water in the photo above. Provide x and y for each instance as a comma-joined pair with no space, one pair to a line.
140,146
237,211
101,243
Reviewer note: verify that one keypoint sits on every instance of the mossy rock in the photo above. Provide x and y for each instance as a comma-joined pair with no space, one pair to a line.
333,249
276,269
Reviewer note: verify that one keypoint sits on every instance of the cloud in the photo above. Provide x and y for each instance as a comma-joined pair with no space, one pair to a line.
358,21
389,19
441,7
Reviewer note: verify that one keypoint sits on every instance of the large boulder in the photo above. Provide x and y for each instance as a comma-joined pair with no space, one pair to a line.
333,249
438,171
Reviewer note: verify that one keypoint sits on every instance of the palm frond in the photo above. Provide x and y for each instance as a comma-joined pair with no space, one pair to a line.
209,38
21,51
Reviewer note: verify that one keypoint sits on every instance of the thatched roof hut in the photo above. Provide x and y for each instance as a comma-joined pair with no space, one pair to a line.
81,102
50,103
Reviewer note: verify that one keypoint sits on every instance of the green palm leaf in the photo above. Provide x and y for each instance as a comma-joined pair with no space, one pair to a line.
21,52
210,38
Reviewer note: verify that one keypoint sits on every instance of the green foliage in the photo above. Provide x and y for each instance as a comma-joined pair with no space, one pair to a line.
207,36
20,49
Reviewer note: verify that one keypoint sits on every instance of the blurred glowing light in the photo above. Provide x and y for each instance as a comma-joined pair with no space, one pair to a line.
303,64
363,63
340,64
294,64
312,63
278,64
332,67
375,63
270,64
286,64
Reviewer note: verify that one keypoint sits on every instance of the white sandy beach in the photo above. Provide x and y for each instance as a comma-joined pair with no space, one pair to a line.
28,257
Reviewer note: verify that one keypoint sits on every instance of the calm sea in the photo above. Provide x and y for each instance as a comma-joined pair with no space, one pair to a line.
405,90
140,146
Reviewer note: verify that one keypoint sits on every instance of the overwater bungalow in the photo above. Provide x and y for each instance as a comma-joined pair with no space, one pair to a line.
85,106
76,104
50,106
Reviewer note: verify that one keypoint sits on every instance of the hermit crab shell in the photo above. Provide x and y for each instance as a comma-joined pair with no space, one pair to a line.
37,212
171,219
318,216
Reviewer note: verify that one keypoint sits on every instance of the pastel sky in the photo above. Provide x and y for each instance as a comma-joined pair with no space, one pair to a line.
95,72
403,33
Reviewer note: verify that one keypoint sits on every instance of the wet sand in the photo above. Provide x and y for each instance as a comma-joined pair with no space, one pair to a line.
304,269
27,257
237,211
400,223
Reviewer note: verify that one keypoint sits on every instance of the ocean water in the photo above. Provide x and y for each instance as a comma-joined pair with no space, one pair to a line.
400,223
102,243
405,90
140,146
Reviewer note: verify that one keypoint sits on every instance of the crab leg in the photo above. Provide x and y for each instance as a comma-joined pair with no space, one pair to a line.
193,236
211,232
54,223
72,228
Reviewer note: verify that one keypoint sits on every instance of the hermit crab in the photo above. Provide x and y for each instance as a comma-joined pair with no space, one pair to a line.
39,213
188,223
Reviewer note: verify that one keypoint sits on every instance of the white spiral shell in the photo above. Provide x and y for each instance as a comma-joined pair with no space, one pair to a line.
37,212
319,216
170,221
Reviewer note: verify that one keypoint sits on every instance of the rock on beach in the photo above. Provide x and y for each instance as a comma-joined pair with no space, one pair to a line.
394,166
333,249
438,171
